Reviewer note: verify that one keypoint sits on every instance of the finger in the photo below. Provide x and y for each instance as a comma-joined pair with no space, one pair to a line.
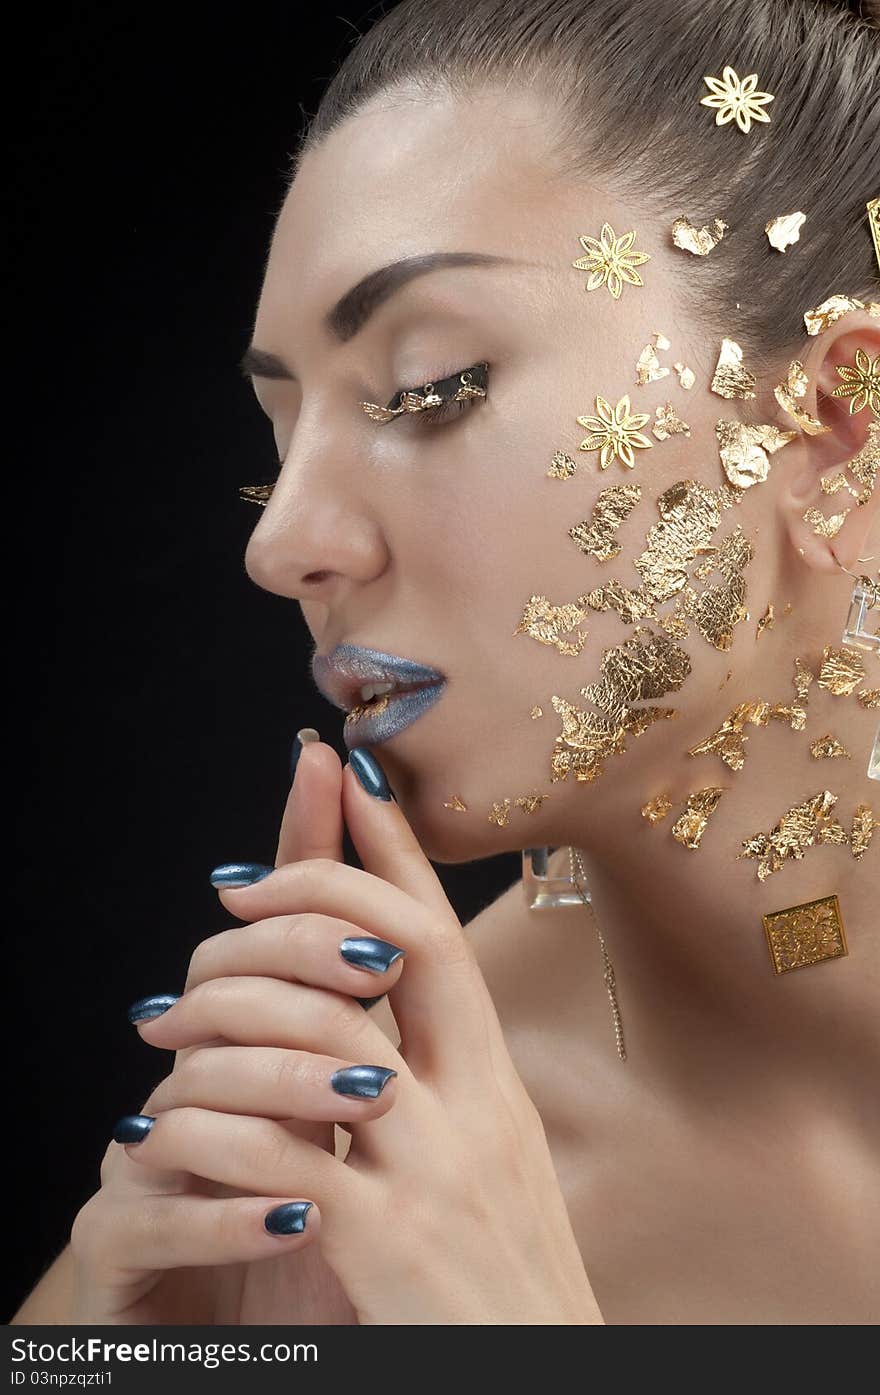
171,1232
441,1004
276,1084
253,1155
312,822
321,950
253,1011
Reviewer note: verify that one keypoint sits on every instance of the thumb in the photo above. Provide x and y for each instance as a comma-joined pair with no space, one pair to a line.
385,843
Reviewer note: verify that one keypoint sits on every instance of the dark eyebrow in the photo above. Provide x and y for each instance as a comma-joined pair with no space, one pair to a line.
351,312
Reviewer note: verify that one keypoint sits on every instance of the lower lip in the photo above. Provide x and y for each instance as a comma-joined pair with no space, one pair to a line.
402,710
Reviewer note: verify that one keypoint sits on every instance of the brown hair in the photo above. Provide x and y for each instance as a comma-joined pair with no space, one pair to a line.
623,81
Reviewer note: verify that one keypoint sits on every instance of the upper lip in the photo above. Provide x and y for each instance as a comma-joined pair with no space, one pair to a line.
342,673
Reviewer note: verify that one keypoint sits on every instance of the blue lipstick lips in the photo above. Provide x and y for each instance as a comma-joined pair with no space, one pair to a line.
341,674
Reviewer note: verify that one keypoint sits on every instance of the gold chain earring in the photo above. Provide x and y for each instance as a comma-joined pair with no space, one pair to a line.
543,890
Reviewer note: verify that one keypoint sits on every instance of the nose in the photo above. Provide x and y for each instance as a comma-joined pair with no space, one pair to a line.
316,534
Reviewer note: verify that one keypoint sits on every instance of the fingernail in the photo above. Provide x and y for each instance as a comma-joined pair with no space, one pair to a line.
363,1082
302,738
239,873
288,1219
369,772
367,1003
153,1006
368,953
133,1128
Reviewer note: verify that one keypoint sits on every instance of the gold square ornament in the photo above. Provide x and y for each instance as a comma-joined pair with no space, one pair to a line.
805,934
873,207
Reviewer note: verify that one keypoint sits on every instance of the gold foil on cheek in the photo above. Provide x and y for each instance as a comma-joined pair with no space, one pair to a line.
536,712
699,241
869,697
841,671
784,230
657,808
645,666
803,677
667,422
825,527
862,832
686,376
595,536
562,467
866,461
728,741
766,622
649,369
789,393
456,803
719,608
744,448
690,827
546,622
827,747
530,803
500,813
797,830
730,378
833,833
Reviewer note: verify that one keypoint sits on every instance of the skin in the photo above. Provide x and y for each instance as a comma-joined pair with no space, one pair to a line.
726,1173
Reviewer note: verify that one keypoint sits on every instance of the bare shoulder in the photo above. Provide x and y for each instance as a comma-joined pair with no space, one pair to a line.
51,1299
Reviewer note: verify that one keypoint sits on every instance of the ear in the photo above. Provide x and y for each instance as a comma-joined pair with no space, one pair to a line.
853,344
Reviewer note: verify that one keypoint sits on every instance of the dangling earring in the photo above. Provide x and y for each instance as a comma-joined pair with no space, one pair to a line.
543,890
862,631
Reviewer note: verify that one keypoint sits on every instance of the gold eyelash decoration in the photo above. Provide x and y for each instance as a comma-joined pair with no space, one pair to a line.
458,388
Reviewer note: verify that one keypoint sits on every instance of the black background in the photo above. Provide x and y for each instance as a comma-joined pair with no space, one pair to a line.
154,689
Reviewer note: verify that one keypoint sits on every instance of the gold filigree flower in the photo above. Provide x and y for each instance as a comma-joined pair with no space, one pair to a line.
861,384
736,99
610,261
614,432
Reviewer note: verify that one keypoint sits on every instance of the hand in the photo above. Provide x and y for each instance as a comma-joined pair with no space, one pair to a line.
161,1246
447,1208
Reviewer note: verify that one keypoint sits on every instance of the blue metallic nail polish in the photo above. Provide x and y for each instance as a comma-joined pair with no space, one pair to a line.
365,952
239,873
369,772
289,1219
133,1128
153,1006
363,1082
367,1003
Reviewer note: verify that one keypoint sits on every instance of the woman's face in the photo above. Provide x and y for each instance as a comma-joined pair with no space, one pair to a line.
429,541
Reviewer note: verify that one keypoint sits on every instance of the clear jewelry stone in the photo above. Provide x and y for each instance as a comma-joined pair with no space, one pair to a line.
862,628
874,762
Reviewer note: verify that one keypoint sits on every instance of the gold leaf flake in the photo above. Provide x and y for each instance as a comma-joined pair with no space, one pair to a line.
656,808
546,623
455,803
615,432
827,747
728,740
736,99
832,833
536,712
690,827
862,832
531,803
841,670
797,830
767,621
788,395
700,241
686,376
730,378
832,484
825,527
500,813
784,230
610,261
787,609
649,368
595,536
660,340
562,466
744,448
869,697
667,422
803,677
866,461
824,315
644,666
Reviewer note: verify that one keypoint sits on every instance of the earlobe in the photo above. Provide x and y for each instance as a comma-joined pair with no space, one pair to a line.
830,504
